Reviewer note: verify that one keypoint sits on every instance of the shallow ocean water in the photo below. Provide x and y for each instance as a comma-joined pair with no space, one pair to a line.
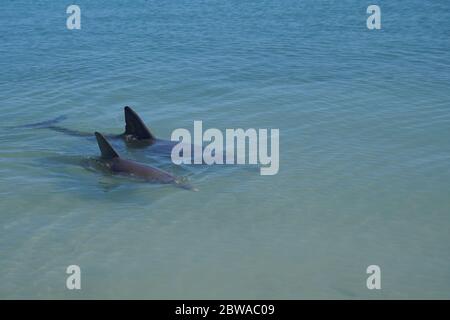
364,119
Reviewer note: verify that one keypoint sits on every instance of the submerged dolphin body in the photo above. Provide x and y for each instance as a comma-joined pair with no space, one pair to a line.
117,165
136,135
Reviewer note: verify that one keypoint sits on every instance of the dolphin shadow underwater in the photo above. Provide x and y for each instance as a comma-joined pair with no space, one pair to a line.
111,162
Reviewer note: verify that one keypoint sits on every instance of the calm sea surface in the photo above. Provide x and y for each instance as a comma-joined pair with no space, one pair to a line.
364,119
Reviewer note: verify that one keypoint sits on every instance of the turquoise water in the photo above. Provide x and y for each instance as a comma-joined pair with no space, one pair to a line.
364,119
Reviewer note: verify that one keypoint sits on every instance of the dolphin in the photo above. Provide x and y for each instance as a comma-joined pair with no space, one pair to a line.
135,129
111,161
136,134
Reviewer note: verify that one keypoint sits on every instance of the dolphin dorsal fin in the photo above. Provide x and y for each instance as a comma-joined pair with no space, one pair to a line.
135,126
106,149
